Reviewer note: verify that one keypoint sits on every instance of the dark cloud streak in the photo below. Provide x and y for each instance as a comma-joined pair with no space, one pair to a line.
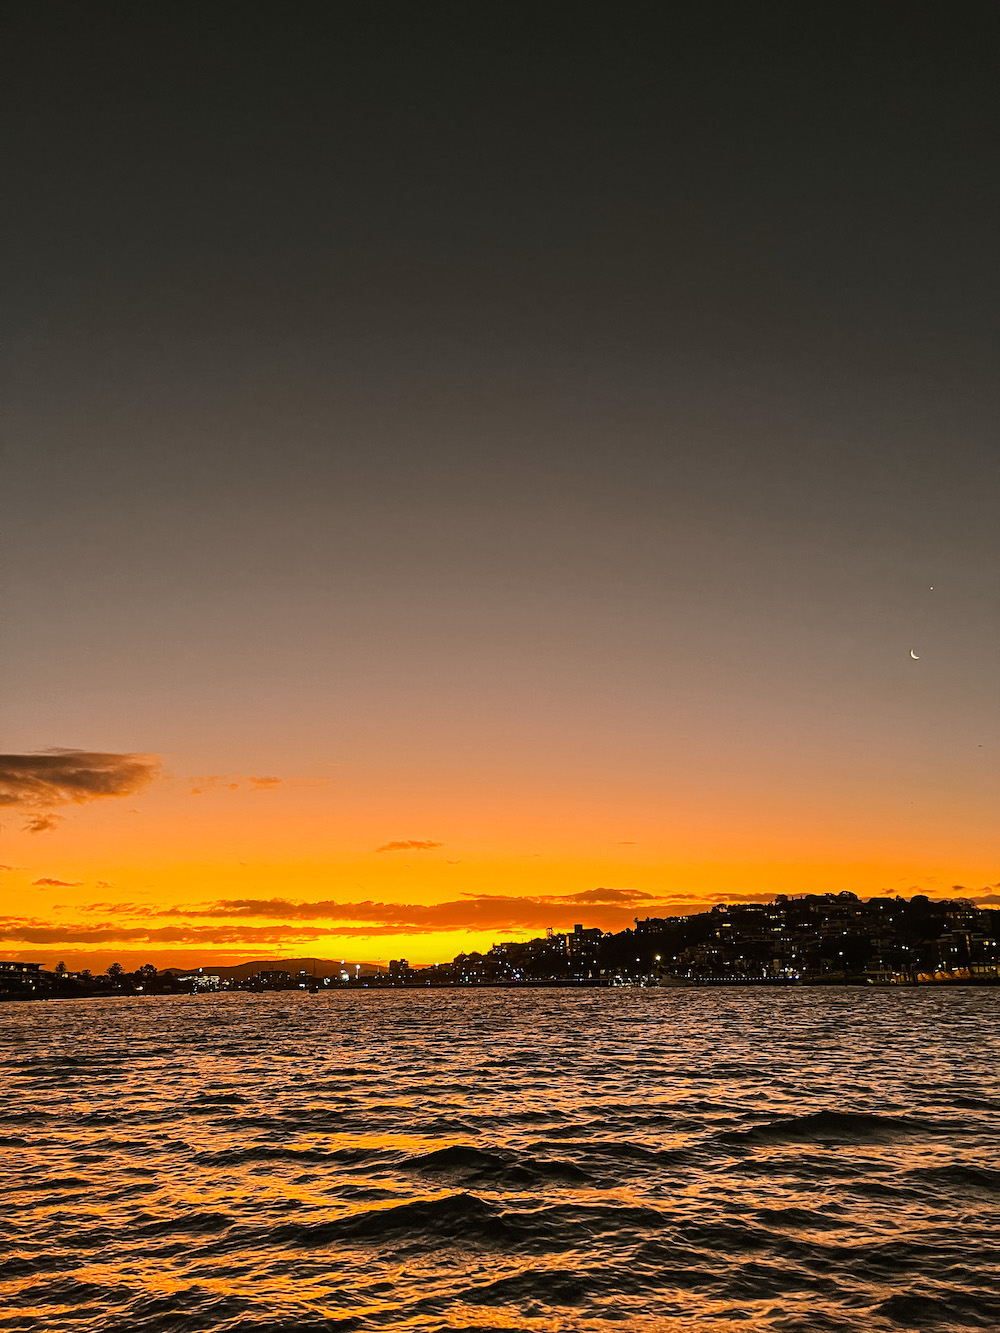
61,777
230,918
470,912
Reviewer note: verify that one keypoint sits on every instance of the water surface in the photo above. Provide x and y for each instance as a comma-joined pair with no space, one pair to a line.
677,1161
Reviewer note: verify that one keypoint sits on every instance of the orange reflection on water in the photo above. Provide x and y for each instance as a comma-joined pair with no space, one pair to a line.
579,1160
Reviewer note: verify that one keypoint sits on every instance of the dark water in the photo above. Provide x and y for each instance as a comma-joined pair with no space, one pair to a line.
654,1160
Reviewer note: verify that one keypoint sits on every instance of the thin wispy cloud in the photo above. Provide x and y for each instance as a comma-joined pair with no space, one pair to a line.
42,823
116,909
408,845
224,782
46,883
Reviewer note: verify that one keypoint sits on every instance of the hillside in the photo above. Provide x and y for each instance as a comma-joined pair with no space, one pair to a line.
317,967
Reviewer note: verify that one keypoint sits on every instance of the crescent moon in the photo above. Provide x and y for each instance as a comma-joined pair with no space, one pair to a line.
915,656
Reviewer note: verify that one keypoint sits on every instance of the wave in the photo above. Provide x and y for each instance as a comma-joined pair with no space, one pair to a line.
185,1223
42,1184
618,1150
555,1286
456,1158
975,1103
453,1216
961,1177
951,1309
467,1218
832,1127
502,1170
800,1219
265,1152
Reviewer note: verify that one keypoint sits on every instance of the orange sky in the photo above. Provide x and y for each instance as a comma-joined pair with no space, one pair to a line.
236,866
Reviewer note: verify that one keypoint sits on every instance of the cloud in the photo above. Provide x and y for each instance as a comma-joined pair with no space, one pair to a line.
209,782
61,777
498,912
221,782
987,895
7,868
408,845
42,823
47,883
293,921
597,897
13,929
117,909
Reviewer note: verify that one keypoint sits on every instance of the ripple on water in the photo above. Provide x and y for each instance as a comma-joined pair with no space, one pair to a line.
665,1161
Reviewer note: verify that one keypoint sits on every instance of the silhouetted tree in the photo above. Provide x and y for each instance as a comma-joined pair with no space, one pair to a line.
60,969
115,971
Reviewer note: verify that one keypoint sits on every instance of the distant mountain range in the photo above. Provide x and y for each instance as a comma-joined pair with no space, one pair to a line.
313,967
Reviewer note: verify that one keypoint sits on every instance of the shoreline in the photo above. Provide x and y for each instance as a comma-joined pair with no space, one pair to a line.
578,984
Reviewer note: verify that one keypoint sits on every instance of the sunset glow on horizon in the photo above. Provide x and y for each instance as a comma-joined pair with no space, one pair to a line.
231,867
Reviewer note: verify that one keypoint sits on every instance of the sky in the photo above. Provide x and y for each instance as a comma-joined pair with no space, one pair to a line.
469,469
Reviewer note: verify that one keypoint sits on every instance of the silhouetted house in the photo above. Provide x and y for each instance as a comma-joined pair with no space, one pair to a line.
19,977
